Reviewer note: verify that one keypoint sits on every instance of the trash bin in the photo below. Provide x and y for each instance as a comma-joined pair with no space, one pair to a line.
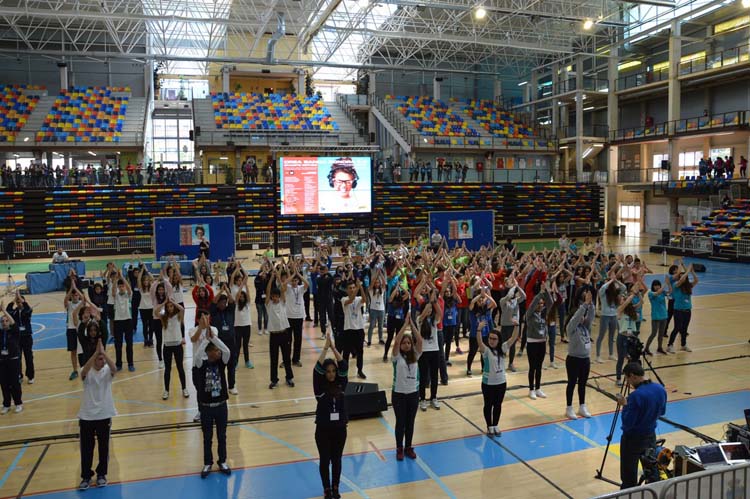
622,230
615,230
666,235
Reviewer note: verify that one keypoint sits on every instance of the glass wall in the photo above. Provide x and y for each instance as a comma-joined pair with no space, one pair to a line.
172,146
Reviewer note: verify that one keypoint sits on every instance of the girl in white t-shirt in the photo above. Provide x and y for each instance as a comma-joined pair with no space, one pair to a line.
377,309
242,319
493,377
407,349
429,361
172,317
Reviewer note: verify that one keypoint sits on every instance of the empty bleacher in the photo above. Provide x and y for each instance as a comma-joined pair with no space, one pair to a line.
725,226
16,104
86,114
434,119
271,112
497,121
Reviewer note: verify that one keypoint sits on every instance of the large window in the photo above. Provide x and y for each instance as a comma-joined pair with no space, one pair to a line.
688,163
657,174
721,151
630,217
172,144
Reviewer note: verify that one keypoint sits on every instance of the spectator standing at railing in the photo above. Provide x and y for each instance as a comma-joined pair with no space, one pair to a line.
428,167
729,166
449,172
459,172
702,167
423,171
397,172
464,172
719,167
743,167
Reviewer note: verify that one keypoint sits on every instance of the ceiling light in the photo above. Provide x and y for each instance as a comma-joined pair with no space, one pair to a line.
588,108
588,24
363,4
16,155
26,139
223,158
522,83
480,13
587,152
563,147
92,153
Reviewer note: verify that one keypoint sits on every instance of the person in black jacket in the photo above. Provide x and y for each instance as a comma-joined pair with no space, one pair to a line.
261,281
10,356
222,318
21,313
210,360
330,378
324,297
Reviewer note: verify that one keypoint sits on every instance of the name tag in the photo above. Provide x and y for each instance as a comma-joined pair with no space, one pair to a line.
22,329
398,315
225,328
449,317
3,352
334,416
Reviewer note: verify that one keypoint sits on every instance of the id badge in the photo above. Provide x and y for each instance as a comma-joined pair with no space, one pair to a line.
225,328
334,416
22,329
3,352
399,315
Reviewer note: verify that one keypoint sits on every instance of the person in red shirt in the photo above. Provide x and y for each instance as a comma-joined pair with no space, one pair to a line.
498,280
463,312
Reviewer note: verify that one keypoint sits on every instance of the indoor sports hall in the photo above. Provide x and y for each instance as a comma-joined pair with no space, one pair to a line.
447,247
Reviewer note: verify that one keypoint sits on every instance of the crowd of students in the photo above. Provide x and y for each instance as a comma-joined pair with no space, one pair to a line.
423,299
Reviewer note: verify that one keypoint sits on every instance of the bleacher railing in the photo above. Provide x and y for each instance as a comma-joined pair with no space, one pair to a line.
716,60
488,175
519,230
642,78
694,244
685,125
743,248
643,492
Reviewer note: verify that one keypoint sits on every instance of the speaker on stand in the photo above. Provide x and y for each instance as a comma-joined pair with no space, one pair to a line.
295,244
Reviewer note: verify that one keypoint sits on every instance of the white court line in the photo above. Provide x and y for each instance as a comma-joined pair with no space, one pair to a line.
81,389
151,413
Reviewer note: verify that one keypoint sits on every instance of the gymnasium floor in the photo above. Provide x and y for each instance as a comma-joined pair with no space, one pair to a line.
156,450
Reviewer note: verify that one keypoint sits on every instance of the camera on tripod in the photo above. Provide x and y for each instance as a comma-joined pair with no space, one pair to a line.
635,349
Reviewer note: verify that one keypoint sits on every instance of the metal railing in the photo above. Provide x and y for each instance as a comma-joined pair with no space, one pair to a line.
570,84
717,483
274,138
694,244
643,492
595,130
685,125
642,78
716,60
250,238
533,230
135,242
641,175
491,175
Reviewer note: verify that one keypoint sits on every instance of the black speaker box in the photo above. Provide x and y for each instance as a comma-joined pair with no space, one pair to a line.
364,400
9,248
295,244
699,267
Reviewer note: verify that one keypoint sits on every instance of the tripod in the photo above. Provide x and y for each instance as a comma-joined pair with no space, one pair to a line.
624,392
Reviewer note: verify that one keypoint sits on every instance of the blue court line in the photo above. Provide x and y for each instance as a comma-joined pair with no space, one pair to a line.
13,465
444,458
425,467
348,483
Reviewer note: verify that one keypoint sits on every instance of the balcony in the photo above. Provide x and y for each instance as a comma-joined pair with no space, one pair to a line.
685,126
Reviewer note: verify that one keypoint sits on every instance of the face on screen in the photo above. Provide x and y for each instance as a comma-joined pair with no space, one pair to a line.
342,183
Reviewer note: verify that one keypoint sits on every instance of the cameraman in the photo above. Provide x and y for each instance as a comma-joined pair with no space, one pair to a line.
640,411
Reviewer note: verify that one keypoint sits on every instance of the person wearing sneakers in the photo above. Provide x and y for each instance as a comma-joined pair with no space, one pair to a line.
536,336
10,359
493,377
210,363
330,378
377,307
243,321
627,317
261,282
509,314
640,413
608,298
682,292
407,348
578,361
172,316
278,330
657,297
295,289
95,415
123,325
71,302
21,312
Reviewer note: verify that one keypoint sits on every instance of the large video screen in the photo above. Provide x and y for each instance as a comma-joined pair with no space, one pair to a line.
320,185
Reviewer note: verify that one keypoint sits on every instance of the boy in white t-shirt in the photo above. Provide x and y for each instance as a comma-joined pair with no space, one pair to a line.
95,415
354,324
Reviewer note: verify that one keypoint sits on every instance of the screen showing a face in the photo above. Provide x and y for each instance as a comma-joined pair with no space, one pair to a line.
319,185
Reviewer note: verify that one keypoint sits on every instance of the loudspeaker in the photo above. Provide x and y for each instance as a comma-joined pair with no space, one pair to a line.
295,244
197,131
372,137
191,136
364,400
9,248
699,267
665,164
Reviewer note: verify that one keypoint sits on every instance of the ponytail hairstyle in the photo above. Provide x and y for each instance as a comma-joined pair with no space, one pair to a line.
425,328
332,388
242,302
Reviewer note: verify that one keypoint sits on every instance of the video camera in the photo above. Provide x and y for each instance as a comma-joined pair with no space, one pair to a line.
635,349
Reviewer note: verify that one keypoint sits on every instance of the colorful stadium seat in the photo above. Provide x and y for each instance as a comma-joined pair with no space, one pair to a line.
289,112
433,118
16,104
86,114
497,121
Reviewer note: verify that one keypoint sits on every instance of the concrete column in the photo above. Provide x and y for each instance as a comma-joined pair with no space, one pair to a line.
533,92
672,152
63,75
645,161
225,79
613,106
613,164
497,92
579,117
300,81
148,78
673,96
436,83
371,83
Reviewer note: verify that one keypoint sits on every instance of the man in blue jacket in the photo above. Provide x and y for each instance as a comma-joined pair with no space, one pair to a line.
640,412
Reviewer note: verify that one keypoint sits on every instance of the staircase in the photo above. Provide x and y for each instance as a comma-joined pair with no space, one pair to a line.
347,129
132,127
36,119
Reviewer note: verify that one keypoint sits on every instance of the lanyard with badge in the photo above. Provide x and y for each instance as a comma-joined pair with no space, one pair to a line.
4,351
334,412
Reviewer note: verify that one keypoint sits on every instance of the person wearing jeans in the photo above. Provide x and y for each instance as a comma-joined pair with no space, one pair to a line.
645,404
295,289
210,362
260,282
172,317
536,334
377,309
658,317
682,292
608,298
578,361
121,294
494,381
95,415
627,318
